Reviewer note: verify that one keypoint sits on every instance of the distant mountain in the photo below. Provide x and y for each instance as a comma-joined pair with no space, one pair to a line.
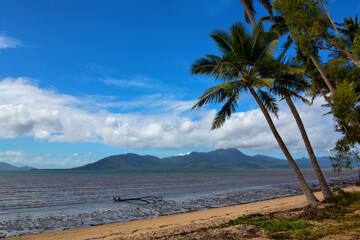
218,159
5,166
324,162
123,161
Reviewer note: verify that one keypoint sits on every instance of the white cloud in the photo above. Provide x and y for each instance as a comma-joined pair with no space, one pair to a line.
133,81
47,160
26,109
12,156
8,42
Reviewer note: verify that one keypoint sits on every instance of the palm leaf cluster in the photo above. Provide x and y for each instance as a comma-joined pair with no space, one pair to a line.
246,63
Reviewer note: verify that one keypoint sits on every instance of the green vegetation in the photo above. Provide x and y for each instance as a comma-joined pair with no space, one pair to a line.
338,215
270,225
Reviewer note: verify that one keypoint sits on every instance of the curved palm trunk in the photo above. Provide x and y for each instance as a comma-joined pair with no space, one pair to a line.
342,50
325,97
319,175
330,18
326,80
310,197
345,52
248,13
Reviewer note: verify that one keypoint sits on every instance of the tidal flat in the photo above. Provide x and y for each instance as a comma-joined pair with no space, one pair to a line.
44,201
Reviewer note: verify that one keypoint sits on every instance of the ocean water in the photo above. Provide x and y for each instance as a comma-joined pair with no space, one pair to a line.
42,201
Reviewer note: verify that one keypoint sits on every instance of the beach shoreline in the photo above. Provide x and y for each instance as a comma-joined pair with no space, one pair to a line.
177,223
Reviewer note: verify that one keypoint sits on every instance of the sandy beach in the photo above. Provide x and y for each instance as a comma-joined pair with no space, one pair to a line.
178,223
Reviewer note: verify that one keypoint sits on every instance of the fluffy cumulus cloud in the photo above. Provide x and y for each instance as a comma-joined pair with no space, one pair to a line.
27,110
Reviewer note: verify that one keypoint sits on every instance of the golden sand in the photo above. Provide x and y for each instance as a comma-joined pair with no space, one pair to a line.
177,223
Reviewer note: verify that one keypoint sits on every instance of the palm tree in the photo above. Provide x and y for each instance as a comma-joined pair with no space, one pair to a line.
244,66
330,18
250,9
289,86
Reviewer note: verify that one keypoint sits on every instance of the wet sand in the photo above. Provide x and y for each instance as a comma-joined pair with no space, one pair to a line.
177,223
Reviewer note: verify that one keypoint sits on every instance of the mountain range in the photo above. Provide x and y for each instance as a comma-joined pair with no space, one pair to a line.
7,167
218,159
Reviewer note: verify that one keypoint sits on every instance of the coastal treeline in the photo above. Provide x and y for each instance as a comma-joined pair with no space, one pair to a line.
316,57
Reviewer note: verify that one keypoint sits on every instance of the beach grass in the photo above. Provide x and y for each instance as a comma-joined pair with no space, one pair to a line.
338,217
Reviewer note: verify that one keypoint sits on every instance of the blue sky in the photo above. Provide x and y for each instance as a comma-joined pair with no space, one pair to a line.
81,80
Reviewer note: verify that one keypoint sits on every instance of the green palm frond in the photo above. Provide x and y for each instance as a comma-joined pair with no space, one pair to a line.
219,93
262,82
278,24
291,66
223,40
264,55
285,47
267,5
246,62
226,111
269,102
246,17
242,41
205,65
250,3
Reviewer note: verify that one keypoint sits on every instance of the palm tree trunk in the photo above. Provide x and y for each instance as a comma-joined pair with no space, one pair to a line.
319,175
249,14
337,45
322,73
345,52
330,18
325,97
310,197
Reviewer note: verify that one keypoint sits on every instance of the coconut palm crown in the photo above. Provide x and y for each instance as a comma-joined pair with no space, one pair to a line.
246,61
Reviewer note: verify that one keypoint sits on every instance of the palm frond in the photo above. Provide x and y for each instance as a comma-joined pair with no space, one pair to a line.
223,40
265,54
241,40
214,66
262,82
226,111
285,47
269,102
246,62
219,93
247,19
267,5
250,5
205,65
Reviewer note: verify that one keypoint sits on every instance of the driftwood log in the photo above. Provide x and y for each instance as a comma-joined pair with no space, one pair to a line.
147,200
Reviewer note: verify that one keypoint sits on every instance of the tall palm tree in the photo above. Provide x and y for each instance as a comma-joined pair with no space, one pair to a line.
289,86
250,9
246,64
284,88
